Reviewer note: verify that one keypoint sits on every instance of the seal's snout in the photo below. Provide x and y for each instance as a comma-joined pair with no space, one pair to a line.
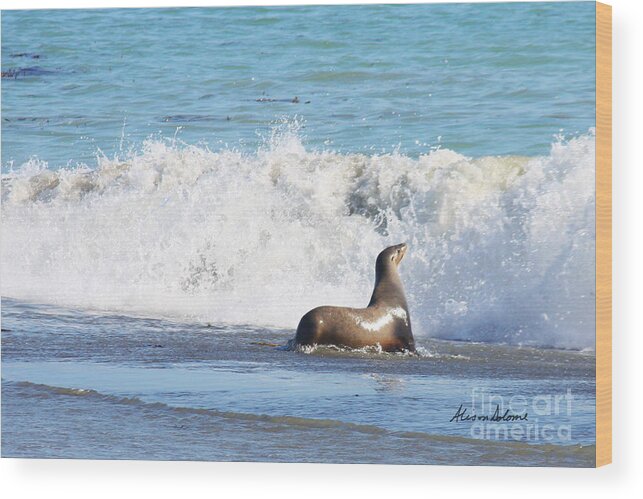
401,251
393,254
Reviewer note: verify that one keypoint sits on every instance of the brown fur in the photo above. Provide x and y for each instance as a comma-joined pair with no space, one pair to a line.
386,319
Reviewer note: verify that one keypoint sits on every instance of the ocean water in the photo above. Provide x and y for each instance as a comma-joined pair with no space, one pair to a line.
180,185
480,80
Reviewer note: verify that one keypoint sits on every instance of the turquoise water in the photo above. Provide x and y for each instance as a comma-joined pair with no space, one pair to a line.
498,79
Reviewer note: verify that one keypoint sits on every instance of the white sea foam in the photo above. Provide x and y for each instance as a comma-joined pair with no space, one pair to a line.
500,248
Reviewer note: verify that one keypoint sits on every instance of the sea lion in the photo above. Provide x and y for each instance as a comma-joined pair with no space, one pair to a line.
385,321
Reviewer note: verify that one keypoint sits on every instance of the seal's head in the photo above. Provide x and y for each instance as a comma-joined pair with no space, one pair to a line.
392,255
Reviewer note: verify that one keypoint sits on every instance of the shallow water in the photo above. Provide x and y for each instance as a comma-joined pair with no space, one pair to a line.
66,373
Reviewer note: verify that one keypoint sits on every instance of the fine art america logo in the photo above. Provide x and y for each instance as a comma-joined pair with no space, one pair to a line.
493,416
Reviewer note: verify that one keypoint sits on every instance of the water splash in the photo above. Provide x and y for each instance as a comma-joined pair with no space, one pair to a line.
501,248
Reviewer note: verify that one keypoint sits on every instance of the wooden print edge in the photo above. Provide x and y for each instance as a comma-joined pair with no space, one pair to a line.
603,234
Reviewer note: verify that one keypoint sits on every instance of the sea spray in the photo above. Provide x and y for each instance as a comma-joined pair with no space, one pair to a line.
501,248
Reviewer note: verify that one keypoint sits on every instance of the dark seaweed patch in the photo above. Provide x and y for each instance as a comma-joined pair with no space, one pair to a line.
187,118
28,72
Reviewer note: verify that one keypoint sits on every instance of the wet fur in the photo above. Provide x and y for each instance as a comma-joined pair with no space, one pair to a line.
385,321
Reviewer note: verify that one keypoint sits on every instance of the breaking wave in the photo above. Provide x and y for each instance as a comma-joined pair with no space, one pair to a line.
502,249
